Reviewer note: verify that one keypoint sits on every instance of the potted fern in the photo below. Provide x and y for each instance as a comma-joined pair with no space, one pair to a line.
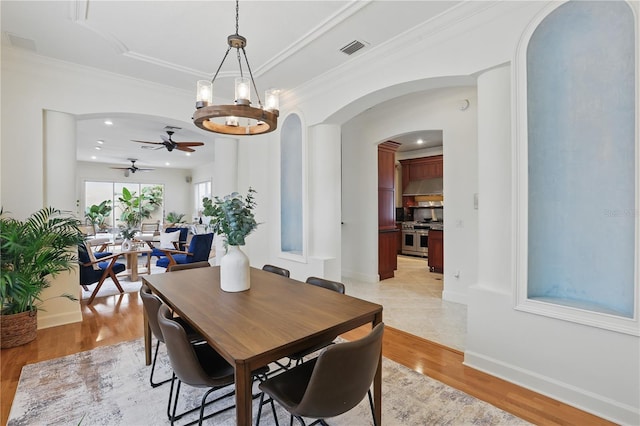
31,253
233,217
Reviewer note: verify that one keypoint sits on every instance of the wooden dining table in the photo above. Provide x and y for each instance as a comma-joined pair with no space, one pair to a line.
276,317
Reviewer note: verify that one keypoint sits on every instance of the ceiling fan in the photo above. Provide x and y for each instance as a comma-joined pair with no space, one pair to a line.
170,144
132,168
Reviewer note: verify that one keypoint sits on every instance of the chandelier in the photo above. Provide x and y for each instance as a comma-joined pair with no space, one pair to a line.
240,118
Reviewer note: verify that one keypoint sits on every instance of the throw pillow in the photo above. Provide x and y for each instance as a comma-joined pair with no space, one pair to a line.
168,238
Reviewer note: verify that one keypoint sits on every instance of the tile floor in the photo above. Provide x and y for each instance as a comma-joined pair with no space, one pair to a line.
412,302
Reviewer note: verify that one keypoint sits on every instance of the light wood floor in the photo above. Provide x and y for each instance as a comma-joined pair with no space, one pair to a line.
119,318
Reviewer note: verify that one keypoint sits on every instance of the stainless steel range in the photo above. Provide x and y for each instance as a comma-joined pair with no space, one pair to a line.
415,239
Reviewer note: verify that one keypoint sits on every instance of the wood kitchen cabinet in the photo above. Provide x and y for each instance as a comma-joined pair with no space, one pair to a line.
387,231
419,169
436,251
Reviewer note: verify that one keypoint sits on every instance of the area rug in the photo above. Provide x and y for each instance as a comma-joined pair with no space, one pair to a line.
109,288
110,386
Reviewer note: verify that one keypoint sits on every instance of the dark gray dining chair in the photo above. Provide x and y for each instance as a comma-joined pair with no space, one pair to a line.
151,304
197,365
329,385
338,287
276,270
330,285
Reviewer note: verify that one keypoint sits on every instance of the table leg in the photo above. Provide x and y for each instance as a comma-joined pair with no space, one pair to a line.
147,338
243,394
377,381
134,265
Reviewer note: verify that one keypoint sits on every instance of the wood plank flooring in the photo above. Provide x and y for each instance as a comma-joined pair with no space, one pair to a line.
116,319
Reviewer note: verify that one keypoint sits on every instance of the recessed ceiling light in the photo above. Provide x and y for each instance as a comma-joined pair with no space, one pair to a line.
188,154
98,148
108,122
93,157
100,141
420,141
167,164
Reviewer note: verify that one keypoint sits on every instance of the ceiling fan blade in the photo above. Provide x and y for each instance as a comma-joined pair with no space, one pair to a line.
185,149
120,168
153,148
154,143
190,143
166,139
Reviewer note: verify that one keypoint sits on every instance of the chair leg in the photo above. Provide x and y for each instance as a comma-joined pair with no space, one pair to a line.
260,409
153,367
373,413
170,415
95,290
115,281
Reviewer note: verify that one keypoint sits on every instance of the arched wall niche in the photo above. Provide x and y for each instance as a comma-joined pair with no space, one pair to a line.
291,187
577,166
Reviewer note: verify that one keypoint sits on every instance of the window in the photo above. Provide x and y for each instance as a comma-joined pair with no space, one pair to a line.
578,212
201,190
146,203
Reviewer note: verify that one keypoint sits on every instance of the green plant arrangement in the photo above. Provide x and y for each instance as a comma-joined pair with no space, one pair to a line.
232,216
135,208
97,214
174,218
128,233
31,252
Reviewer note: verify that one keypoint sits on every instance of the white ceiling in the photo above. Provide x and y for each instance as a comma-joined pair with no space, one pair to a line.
177,43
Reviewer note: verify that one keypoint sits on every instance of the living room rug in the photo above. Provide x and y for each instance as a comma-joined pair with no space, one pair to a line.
109,288
110,386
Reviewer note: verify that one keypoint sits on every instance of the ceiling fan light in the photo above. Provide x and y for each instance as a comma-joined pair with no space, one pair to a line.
204,95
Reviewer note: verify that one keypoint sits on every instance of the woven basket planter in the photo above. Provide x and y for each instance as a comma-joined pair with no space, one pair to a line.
18,329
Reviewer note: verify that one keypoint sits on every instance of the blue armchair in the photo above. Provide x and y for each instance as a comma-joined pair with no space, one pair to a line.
94,270
198,251
182,240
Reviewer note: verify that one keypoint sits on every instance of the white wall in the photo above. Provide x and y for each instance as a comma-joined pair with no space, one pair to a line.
594,369
32,85
178,193
437,110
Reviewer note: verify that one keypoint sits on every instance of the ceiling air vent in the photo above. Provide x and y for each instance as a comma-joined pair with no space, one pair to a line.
20,42
352,47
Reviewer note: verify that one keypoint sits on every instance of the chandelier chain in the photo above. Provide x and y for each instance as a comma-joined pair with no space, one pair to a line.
240,62
237,15
220,66
251,75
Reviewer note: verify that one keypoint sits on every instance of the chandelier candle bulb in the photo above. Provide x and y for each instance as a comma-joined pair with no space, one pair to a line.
272,99
232,121
243,91
204,94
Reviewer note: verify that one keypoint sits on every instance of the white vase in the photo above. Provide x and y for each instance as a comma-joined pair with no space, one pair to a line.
127,245
234,270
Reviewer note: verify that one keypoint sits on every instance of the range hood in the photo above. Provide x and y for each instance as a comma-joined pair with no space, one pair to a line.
424,187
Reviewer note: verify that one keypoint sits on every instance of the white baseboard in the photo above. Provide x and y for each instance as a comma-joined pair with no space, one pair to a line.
357,276
587,401
60,319
452,296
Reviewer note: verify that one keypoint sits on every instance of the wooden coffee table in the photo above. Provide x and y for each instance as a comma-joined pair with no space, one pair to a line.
132,263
